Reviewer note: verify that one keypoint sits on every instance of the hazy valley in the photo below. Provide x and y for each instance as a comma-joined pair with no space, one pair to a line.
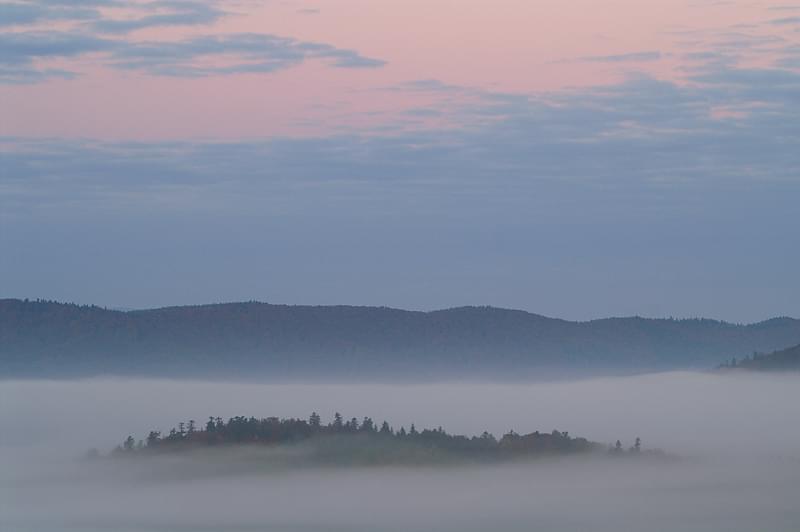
738,468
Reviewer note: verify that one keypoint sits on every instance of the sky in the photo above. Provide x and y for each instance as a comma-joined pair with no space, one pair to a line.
572,158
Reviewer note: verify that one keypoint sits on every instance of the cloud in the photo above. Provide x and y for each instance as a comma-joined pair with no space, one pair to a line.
27,75
427,85
752,78
25,13
622,58
254,53
24,48
246,53
181,13
731,46
92,31
785,21
642,135
152,13
85,3
792,62
18,51
21,47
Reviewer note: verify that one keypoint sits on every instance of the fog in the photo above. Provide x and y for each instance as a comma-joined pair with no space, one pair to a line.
736,435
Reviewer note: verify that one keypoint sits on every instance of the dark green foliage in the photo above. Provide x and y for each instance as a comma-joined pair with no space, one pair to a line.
783,360
257,340
362,443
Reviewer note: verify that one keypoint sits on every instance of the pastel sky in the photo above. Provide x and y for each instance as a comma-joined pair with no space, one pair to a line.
573,158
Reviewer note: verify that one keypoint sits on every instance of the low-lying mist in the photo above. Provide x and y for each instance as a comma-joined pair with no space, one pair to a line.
737,435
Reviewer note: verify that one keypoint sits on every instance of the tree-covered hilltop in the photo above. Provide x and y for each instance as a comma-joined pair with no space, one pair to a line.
783,360
366,442
265,341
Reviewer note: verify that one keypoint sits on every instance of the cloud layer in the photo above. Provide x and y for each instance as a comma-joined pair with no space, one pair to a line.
22,51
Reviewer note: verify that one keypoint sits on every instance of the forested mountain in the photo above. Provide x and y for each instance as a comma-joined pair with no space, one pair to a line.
783,360
259,340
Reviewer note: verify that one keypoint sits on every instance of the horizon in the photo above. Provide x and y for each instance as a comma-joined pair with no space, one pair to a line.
402,309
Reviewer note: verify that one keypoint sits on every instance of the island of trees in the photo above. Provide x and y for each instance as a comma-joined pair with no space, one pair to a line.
365,442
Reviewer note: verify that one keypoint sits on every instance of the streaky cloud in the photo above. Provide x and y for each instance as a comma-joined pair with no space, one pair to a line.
252,53
21,47
622,58
645,134
183,13
785,21
26,13
255,53
19,50
87,13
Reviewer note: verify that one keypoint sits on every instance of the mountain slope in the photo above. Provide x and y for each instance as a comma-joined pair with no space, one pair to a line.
784,360
40,338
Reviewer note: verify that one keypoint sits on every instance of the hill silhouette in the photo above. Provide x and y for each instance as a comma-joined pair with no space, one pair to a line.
260,340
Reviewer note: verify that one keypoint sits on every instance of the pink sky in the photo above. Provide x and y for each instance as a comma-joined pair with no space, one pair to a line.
513,46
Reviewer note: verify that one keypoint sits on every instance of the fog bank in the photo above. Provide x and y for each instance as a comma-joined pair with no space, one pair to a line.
737,433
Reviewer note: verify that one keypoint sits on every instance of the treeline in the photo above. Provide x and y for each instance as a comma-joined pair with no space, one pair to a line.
782,360
351,440
258,340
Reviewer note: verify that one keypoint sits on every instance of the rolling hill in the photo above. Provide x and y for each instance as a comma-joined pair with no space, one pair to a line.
260,340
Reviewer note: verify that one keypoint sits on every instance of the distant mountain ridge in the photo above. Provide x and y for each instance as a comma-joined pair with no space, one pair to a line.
42,338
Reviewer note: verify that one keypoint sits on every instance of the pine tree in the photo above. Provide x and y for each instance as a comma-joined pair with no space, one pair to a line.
152,438
367,425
